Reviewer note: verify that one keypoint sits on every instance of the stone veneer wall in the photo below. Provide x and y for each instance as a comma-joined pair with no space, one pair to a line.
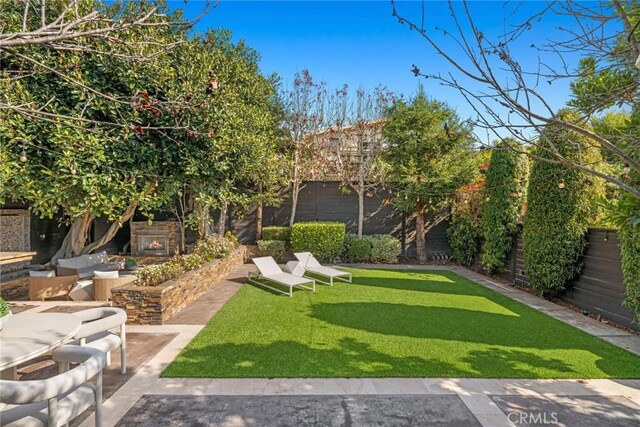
15,235
154,305
164,228
16,289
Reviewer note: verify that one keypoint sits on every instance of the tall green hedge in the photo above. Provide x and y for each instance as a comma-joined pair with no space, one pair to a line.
562,203
323,239
630,252
506,187
276,232
463,237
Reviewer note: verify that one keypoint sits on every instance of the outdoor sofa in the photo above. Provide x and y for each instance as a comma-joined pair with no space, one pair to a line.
85,265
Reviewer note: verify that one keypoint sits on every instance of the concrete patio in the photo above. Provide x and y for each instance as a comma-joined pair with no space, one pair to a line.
142,398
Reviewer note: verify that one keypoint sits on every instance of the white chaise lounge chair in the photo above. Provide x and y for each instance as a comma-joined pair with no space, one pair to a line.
311,265
269,270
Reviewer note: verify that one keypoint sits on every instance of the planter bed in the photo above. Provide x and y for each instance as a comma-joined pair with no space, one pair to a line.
154,305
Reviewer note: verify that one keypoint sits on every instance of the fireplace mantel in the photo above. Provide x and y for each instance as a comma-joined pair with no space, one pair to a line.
160,238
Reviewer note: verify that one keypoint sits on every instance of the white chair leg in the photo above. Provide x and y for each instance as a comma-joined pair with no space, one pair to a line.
52,409
98,397
63,367
123,350
108,353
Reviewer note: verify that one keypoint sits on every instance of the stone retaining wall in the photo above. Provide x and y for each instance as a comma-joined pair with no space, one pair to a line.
15,289
154,305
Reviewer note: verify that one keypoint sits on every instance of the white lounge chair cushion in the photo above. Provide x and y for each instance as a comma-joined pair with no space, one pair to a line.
328,271
288,279
267,266
307,259
311,264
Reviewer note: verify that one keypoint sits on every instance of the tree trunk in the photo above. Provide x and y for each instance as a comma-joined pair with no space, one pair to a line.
360,212
222,221
204,228
259,221
294,201
421,252
113,228
75,240
259,216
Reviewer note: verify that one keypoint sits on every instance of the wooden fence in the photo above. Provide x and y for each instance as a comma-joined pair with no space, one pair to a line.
599,288
324,201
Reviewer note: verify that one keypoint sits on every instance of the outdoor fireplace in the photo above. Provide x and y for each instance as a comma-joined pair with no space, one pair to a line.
153,244
160,238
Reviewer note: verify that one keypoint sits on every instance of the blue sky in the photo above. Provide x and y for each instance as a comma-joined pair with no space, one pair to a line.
361,44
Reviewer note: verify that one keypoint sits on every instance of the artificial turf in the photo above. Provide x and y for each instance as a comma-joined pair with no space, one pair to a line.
391,323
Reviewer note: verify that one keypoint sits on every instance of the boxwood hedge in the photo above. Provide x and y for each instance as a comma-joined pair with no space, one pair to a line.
272,248
276,232
323,239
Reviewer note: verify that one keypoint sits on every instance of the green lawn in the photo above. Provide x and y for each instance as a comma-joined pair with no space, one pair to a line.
394,324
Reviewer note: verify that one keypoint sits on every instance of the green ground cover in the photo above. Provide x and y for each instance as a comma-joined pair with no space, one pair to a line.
392,323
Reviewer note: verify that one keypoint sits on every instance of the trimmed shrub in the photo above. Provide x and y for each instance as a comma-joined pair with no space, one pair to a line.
153,275
464,236
213,247
506,187
232,237
276,233
273,248
4,307
323,239
630,251
463,232
357,250
562,203
206,250
384,248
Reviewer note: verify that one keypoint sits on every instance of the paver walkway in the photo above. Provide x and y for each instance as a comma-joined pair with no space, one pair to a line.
148,400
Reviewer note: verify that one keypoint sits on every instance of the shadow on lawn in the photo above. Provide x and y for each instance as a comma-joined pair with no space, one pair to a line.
290,359
296,360
446,323
526,330
442,282
516,363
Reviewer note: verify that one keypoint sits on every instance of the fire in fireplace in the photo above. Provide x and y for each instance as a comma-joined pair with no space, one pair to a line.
153,244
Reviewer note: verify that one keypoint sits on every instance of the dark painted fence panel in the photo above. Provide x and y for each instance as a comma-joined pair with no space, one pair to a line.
599,288
324,201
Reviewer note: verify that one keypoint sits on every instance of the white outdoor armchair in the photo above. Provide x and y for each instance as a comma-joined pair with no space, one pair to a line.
311,265
57,400
269,270
96,332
